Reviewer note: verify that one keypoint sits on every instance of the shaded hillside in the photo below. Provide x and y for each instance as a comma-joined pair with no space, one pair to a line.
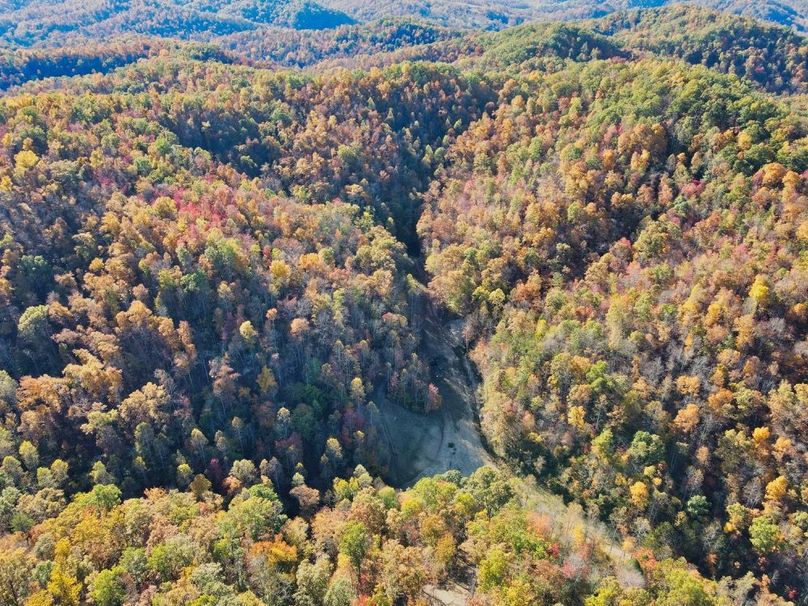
19,66
774,58
42,22
300,49
483,14
793,13
771,57
38,22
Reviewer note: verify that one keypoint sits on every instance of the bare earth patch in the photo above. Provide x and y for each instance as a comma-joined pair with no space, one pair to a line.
449,438
422,445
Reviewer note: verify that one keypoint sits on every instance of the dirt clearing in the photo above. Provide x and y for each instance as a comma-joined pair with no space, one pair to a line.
449,438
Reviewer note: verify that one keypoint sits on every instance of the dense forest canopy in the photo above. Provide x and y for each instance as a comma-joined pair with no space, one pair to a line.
44,22
487,15
238,262
56,24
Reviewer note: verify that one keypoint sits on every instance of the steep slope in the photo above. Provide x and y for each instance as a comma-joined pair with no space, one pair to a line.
305,286
626,243
22,65
773,57
214,318
291,48
19,66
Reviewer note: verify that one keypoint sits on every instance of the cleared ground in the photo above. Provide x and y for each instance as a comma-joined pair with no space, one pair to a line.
427,444
449,438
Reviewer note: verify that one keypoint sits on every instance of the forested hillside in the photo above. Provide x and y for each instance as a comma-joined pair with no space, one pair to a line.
487,15
48,23
793,13
226,255
629,305
306,48
772,57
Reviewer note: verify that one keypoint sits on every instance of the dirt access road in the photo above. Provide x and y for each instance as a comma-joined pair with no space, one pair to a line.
449,438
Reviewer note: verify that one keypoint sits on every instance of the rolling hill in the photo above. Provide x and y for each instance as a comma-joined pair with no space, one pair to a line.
483,14
396,313
48,23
